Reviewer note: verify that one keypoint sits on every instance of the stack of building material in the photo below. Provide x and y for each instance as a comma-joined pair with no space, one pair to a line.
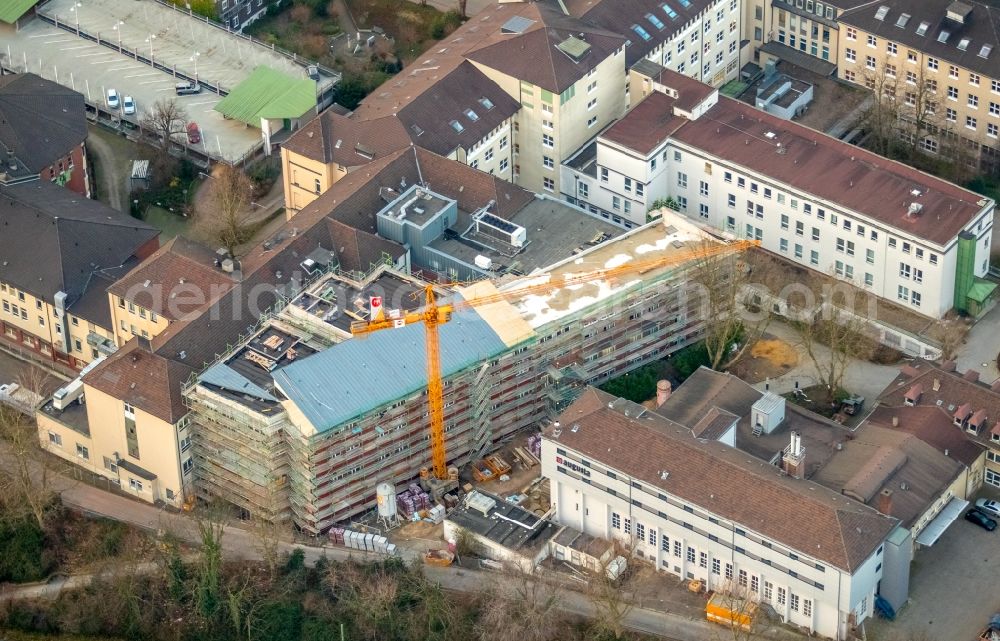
412,501
535,445
337,536
436,514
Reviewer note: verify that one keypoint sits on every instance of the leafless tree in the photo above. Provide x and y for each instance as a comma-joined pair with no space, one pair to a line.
269,527
231,190
734,312
520,607
881,119
609,591
165,120
919,112
462,5
949,334
28,481
836,334
211,523
743,623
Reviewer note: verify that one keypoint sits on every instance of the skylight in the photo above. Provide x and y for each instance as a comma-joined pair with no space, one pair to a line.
902,20
922,29
486,103
457,126
963,44
882,12
655,21
943,36
642,32
670,12
471,115
985,51
685,3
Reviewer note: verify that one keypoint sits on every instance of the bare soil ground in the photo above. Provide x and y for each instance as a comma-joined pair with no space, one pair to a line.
767,358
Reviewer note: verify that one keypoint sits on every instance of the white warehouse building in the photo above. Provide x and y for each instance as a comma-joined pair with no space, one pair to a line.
904,235
698,508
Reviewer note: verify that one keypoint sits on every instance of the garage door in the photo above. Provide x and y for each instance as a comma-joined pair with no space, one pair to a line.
945,517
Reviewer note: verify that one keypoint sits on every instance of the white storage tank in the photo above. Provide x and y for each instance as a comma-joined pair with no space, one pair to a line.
385,496
483,262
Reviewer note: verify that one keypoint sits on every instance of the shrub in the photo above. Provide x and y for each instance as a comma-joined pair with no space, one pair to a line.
638,385
687,361
24,555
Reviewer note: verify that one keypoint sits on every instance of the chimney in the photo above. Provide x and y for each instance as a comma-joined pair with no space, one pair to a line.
663,390
948,366
971,375
895,421
885,502
937,384
794,459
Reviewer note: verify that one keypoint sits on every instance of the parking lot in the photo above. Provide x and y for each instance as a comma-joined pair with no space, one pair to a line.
953,584
92,69
174,39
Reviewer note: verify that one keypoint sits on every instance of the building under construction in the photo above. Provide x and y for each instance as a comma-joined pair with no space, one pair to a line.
301,421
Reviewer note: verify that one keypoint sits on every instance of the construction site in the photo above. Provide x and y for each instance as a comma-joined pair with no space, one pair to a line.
462,369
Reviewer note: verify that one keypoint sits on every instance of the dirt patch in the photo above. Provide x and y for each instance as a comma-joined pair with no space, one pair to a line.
767,358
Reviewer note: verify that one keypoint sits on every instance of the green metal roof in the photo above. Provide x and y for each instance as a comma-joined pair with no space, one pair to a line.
268,94
11,10
981,290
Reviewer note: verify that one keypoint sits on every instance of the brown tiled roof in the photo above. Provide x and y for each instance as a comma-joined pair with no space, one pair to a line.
647,125
981,27
931,425
800,514
181,277
143,379
705,389
470,187
953,390
533,55
832,170
350,142
690,92
358,250
428,117
924,472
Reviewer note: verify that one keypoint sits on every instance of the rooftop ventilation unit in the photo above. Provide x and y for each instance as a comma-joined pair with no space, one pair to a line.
480,503
504,230
914,209
958,12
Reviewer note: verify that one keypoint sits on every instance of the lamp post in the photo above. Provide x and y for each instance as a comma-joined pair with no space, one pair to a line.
76,14
118,29
194,59
150,40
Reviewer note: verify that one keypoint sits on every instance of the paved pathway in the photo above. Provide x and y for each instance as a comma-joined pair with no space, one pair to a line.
862,377
112,183
979,351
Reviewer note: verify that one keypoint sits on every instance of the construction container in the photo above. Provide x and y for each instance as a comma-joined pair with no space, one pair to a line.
369,543
731,611
497,465
391,549
441,558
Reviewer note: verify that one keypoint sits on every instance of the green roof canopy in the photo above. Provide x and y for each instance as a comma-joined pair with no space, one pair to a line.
268,94
11,10
981,290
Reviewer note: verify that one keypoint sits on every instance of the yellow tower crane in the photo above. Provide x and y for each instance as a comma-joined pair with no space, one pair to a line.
433,315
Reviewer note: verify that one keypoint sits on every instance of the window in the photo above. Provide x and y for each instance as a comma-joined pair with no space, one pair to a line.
813,257
784,221
690,554
732,200
952,93
604,174
548,184
798,250
729,571
850,54
755,583
652,536
616,203
870,62
783,244
915,298
973,101
82,452
799,228
110,465
548,162
991,130
703,188
892,48
903,294
716,567
703,210
703,559
951,115
852,33
682,180
807,607
186,443
768,591
781,596
741,182
591,104
627,526
742,580
815,233
187,466
677,549
932,64
795,603
616,520
582,190
728,177
548,141
55,439
135,484
974,79
970,122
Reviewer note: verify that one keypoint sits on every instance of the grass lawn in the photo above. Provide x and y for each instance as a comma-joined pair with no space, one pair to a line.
169,223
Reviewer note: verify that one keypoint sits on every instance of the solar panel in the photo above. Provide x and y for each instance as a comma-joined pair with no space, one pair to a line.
574,47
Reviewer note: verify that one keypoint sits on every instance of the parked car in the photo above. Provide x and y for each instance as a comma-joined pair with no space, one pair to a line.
128,106
989,508
112,99
187,88
980,519
194,134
